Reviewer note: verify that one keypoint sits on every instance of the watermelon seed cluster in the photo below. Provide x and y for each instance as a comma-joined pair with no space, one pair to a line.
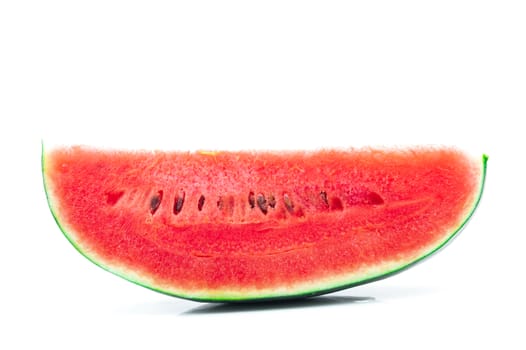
260,201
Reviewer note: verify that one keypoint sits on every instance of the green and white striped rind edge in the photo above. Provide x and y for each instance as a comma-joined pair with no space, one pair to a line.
299,290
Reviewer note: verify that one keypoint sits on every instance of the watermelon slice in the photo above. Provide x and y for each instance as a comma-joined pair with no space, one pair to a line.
237,226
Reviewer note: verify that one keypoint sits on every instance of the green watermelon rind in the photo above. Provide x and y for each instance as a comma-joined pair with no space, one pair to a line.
269,296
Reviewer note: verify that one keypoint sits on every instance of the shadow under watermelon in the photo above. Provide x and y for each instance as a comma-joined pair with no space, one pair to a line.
277,304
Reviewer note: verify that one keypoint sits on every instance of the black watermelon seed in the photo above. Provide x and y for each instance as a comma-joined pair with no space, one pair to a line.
251,200
288,203
178,203
323,196
200,203
272,201
155,201
262,203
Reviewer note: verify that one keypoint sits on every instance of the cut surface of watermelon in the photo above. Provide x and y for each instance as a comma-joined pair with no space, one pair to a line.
238,226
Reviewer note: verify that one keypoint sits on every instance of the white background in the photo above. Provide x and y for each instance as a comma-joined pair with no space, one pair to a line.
263,74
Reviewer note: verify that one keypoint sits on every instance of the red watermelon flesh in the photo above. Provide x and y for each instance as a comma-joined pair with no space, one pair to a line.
231,226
